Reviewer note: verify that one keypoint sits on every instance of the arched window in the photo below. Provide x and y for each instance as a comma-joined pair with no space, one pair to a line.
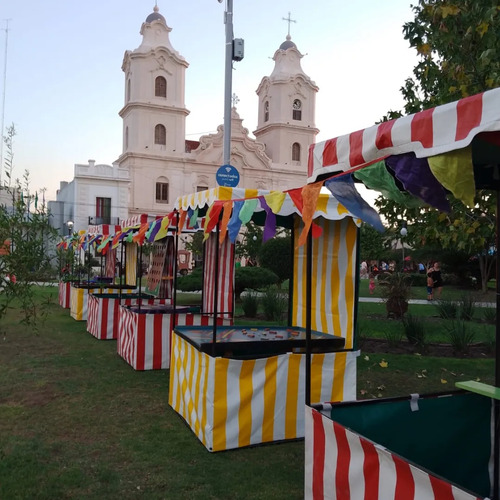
295,151
160,134
297,110
162,190
160,87
266,111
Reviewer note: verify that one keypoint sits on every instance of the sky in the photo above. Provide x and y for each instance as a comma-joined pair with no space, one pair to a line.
61,62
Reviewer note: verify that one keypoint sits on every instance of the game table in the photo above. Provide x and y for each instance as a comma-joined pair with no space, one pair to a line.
251,341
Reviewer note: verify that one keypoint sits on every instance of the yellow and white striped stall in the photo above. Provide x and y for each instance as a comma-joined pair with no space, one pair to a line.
231,403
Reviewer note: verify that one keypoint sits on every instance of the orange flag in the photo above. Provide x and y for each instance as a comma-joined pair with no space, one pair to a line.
310,195
141,235
182,220
226,215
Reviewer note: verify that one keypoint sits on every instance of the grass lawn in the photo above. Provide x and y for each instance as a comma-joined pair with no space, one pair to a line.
76,421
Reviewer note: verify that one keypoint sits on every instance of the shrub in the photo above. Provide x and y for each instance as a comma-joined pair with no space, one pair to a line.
250,304
191,282
396,290
253,278
490,315
467,307
393,337
461,336
414,330
446,309
275,255
275,304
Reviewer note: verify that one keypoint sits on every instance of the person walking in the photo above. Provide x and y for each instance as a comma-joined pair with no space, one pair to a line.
371,284
437,279
430,284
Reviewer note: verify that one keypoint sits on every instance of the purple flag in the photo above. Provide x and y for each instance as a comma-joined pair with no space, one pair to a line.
270,226
416,176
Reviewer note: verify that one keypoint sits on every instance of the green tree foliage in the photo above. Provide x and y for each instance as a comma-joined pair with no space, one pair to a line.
459,55
250,244
373,245
275,255
459,51
26,232
253,278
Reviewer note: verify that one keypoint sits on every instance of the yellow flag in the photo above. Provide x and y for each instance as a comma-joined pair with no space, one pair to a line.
455,172
275,200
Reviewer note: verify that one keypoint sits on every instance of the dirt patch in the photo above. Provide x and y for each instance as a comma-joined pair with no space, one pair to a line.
32,398
438,350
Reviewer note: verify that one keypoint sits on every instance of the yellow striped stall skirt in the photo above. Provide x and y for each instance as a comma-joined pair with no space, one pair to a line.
231,403
79,299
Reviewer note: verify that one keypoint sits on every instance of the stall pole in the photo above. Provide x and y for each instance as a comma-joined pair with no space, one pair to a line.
308,316
122,248
496,402
174,282
216,288
290,281
356,287
139,274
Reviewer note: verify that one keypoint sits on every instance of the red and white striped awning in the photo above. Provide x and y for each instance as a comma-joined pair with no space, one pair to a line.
427,133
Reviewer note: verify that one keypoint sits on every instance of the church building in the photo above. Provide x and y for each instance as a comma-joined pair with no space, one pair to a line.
162,164
158,164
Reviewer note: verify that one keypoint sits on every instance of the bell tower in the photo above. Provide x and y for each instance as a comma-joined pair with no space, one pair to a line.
287,101
154,113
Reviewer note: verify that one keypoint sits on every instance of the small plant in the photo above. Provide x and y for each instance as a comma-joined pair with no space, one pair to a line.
461,336
415,331
447,309
490,315
275,304
396,290
393,336
467,307
490,342
250,304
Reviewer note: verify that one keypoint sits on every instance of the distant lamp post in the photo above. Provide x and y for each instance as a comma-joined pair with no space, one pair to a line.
70,225
403,232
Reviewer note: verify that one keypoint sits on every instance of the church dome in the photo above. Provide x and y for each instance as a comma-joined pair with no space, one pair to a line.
155,16
288,44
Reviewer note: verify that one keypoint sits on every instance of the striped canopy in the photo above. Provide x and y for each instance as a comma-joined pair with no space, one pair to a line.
432,132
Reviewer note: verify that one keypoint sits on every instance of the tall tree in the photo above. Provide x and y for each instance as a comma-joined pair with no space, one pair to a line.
459,55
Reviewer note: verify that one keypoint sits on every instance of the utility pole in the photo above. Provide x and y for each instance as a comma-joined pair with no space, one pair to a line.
3,96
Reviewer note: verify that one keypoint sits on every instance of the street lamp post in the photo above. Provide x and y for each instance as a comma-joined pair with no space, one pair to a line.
70,225
403,232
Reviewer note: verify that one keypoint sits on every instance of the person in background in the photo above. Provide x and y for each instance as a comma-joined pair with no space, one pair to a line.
421,268
437,279
371,284
430,284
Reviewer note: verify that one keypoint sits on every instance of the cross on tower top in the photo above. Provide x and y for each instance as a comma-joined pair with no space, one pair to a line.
289,20
234,100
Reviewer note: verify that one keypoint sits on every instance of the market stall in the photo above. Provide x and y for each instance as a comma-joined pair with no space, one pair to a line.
99,237
242,386
401,449
144,329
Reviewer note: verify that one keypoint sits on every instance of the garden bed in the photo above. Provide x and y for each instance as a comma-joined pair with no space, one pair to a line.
381,346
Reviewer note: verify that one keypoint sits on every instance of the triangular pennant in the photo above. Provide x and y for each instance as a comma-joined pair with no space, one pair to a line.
234,224
270,225
343,189
226,214
310,194
275,200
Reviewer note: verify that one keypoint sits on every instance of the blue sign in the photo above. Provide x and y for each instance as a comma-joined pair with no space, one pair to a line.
227,176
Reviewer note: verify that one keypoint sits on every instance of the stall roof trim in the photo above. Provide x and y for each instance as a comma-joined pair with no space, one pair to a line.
428,133
327,206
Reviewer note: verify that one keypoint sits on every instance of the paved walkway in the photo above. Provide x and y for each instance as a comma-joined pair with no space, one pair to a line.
424,302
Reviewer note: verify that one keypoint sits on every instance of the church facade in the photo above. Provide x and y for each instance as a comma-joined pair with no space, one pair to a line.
162,164
157,164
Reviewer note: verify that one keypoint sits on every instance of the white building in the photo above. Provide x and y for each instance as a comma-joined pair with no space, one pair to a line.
161,164
98,194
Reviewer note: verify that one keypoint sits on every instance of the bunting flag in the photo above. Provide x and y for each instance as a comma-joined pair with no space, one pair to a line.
296,196
193,219
234,223
162,229
226,214
275,200
417,178
182,220
377,177
212,218
310,194
141,234
270,225
343,189
247,210
116,239
454,170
